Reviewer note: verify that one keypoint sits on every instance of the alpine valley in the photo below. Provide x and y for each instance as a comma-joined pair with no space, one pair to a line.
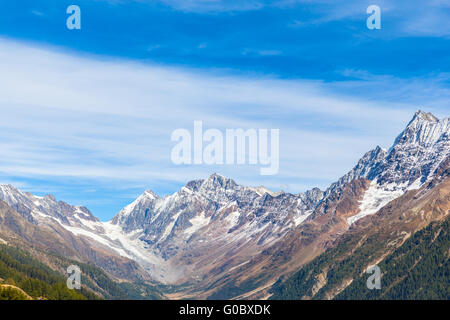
215,239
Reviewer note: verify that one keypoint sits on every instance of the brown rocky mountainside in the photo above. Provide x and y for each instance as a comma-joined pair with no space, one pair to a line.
15,229
298,247
371,240
387,229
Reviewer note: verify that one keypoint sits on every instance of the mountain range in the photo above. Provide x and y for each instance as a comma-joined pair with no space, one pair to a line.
215,239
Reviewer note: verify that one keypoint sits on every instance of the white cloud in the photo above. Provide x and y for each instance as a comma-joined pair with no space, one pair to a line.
405,18
214,5
37,13
64,115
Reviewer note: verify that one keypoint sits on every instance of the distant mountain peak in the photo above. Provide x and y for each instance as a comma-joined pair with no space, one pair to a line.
424,129
426,116
35,208
194,185
413,158
216,181
216,177
50,197
150,194
261,190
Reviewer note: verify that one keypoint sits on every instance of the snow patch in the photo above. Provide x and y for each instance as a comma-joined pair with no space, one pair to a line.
103,240
197,222
91,225
130,242
375,198
233,218
261,190
302,217
169,228
81,212
416,184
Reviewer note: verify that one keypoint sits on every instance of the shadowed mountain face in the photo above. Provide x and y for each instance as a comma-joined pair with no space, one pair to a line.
223,240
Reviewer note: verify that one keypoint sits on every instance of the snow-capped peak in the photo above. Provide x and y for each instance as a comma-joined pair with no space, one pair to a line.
261,190
150,194
426,116
218,181
143,200
412,160
35,208
424,129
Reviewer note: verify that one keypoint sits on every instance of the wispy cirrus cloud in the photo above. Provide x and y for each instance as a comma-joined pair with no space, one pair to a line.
216,5
93,123
37,13
405,18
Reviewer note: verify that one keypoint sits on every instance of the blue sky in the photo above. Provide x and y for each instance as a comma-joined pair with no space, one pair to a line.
87,114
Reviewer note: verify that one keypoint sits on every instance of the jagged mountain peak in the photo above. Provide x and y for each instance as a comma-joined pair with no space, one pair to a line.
218,181
411,161
145,199
426,116
150,194
415,152
424,129
216,175
8,188
50,197
214,181
11,194
261,190
365,168
35,208
194,185
314,193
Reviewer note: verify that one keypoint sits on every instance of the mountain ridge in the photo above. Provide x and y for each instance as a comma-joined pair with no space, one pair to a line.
196,235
